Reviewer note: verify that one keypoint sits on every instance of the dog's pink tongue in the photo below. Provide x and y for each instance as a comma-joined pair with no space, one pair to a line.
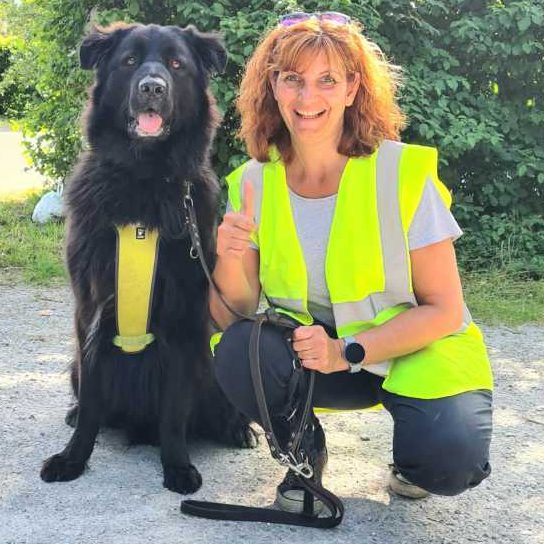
149,122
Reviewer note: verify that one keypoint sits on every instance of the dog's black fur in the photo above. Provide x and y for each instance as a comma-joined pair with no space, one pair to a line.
128,176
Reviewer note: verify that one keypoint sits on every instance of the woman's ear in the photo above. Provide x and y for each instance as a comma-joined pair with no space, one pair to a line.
354,82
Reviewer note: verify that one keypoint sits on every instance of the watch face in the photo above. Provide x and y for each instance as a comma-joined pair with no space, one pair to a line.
355,353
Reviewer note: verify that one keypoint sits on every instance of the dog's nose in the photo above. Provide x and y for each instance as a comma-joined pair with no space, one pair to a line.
152,86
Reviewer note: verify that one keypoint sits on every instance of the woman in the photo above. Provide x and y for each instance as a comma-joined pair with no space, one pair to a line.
348,231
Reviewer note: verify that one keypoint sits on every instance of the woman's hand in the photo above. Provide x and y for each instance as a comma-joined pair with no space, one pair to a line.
234,233
317,350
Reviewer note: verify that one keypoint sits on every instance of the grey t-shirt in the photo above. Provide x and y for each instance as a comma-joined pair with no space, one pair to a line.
432,222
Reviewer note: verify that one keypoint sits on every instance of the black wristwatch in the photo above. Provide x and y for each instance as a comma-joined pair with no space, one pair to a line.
354,354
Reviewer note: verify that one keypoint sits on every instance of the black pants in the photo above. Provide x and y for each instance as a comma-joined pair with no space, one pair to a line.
441,445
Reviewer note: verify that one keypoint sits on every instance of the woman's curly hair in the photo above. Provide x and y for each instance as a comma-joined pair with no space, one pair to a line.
374,114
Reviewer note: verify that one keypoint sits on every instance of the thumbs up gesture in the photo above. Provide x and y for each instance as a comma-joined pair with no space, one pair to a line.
233,235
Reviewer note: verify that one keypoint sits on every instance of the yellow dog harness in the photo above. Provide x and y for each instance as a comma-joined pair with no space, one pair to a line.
136,264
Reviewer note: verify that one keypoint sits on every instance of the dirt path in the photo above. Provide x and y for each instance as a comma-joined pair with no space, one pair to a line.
120,498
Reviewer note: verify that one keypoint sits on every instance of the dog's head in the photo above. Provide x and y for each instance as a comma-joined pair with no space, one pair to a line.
150,80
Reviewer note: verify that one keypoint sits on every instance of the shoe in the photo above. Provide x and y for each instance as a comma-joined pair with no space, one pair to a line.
403,487
289,494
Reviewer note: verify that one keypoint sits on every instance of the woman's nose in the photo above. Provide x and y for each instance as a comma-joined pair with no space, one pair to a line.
307,91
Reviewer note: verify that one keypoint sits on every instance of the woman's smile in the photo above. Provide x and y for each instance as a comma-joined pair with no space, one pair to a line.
309,114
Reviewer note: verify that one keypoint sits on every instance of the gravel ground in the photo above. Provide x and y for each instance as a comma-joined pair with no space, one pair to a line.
120,498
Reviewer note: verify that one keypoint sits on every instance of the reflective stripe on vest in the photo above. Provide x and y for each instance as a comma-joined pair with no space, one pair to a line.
369,281
137,252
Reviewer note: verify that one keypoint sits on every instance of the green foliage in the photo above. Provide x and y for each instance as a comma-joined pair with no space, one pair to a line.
504,242
14,92
476,70
473,88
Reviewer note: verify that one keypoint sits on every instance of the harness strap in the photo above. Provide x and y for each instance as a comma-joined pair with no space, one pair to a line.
136,263
133,341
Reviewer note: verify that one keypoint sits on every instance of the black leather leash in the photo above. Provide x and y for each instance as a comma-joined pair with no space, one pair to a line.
293,457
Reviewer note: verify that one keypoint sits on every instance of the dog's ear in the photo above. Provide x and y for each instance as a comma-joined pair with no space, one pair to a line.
99,43
209,47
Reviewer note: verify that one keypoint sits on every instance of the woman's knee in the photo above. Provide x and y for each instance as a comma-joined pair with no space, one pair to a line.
448,465
445,449
233,372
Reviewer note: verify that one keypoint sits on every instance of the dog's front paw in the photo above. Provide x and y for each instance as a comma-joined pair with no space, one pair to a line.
182,480
60,468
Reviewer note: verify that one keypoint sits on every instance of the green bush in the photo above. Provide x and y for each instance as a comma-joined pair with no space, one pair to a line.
474,79
504,242
14,93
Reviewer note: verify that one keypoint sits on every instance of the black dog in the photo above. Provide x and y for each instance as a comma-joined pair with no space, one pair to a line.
150,122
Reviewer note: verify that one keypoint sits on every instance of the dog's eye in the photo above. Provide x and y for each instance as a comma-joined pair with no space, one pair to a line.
130,61
175,64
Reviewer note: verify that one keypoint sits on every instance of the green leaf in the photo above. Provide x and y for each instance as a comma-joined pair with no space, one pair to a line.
133,7
217,9
452,84
524,23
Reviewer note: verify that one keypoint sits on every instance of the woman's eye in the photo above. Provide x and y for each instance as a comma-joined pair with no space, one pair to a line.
175,64
291,78
328,80
130,61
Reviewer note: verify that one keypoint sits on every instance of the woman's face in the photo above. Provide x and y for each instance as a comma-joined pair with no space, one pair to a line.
312,99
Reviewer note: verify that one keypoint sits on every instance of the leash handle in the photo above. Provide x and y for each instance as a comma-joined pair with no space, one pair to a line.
231,512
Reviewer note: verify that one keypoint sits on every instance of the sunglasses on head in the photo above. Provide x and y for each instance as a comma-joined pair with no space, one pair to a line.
326,16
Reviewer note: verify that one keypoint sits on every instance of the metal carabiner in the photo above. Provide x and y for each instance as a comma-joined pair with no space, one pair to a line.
303,469
188,201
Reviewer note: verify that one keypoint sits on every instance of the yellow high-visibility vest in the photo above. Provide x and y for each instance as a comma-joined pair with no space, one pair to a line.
367,266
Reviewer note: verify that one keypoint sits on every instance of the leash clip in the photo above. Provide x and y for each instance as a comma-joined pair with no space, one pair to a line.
303,469
188,201
187,198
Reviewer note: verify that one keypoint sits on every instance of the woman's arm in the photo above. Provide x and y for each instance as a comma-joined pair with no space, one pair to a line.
238,281
236,272
437,288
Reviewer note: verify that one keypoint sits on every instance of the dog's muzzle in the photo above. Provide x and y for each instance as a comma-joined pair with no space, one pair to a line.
151,106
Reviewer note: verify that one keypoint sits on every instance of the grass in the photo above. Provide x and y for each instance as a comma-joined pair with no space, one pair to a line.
499,298
29,251
33,253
